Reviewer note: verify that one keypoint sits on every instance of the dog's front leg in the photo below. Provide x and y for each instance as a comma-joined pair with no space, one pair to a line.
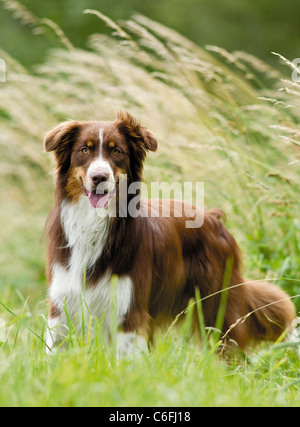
56,330
130,343
134,334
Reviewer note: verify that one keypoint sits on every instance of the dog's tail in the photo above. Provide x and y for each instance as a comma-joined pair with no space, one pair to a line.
271,312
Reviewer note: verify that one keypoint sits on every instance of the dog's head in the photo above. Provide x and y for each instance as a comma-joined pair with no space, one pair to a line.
90,156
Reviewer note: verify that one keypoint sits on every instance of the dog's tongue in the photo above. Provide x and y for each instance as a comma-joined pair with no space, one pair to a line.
98,200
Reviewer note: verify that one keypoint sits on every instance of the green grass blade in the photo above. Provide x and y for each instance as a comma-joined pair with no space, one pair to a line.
23,322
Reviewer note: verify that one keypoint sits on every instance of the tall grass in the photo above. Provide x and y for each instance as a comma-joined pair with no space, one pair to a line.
177,372
226,119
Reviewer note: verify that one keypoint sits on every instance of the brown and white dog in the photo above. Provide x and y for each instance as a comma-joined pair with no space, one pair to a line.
159,262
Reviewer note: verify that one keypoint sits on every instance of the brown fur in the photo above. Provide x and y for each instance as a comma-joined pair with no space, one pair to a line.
165,260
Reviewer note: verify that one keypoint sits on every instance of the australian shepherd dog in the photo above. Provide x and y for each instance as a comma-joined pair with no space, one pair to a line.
159,263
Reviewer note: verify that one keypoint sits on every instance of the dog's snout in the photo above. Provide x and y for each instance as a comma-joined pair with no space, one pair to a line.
99,177
99,172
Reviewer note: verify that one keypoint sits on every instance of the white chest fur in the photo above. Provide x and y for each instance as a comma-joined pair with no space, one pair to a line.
86,233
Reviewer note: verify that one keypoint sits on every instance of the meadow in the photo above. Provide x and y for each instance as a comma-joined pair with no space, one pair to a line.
223,118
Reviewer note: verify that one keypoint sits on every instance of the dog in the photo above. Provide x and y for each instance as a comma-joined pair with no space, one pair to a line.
160,263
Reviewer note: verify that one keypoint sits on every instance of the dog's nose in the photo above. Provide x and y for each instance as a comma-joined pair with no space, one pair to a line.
99,177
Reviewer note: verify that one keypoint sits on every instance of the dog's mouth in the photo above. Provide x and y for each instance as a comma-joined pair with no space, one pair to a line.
99,198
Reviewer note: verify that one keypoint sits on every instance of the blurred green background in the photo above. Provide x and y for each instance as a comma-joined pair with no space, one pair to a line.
257,27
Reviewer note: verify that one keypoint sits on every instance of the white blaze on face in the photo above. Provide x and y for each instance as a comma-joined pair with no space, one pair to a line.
101,142
100,197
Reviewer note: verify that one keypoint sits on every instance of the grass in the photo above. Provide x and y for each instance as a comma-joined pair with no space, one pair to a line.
226,119
176,373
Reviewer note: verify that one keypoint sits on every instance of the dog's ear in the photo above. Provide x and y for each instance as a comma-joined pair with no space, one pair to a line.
61,136
61,140
132,128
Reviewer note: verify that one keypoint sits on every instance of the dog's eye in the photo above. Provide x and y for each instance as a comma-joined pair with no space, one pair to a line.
85,150
115,151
